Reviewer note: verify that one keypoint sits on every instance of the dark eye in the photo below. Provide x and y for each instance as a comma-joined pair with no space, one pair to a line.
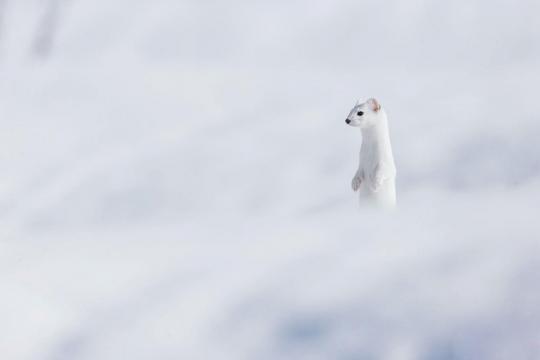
360,113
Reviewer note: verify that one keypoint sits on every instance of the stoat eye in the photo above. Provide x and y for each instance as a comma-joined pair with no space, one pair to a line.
360,113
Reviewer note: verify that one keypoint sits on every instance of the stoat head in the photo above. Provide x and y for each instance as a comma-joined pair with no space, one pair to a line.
364,115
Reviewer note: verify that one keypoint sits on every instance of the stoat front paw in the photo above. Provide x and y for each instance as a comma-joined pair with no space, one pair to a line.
356,181
376,182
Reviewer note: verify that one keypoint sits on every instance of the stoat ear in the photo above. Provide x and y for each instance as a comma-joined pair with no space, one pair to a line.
374,104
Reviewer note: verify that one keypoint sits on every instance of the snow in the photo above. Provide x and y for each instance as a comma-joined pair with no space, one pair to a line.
176,176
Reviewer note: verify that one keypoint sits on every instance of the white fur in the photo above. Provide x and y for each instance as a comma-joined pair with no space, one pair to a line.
375,179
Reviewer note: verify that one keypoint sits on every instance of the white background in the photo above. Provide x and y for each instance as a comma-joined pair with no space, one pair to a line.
175,180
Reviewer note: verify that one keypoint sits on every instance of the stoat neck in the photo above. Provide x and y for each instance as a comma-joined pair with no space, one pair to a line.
378,138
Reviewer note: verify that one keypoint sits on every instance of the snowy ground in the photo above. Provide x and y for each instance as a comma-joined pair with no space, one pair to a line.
167,195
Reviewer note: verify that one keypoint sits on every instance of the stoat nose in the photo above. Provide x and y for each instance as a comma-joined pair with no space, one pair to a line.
347,121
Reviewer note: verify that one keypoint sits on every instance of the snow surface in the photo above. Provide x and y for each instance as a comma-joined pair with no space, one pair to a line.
175,181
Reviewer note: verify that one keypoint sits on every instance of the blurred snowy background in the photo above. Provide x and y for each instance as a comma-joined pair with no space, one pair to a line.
175,180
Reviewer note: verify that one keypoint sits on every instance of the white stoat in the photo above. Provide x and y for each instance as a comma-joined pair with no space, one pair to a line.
375,179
